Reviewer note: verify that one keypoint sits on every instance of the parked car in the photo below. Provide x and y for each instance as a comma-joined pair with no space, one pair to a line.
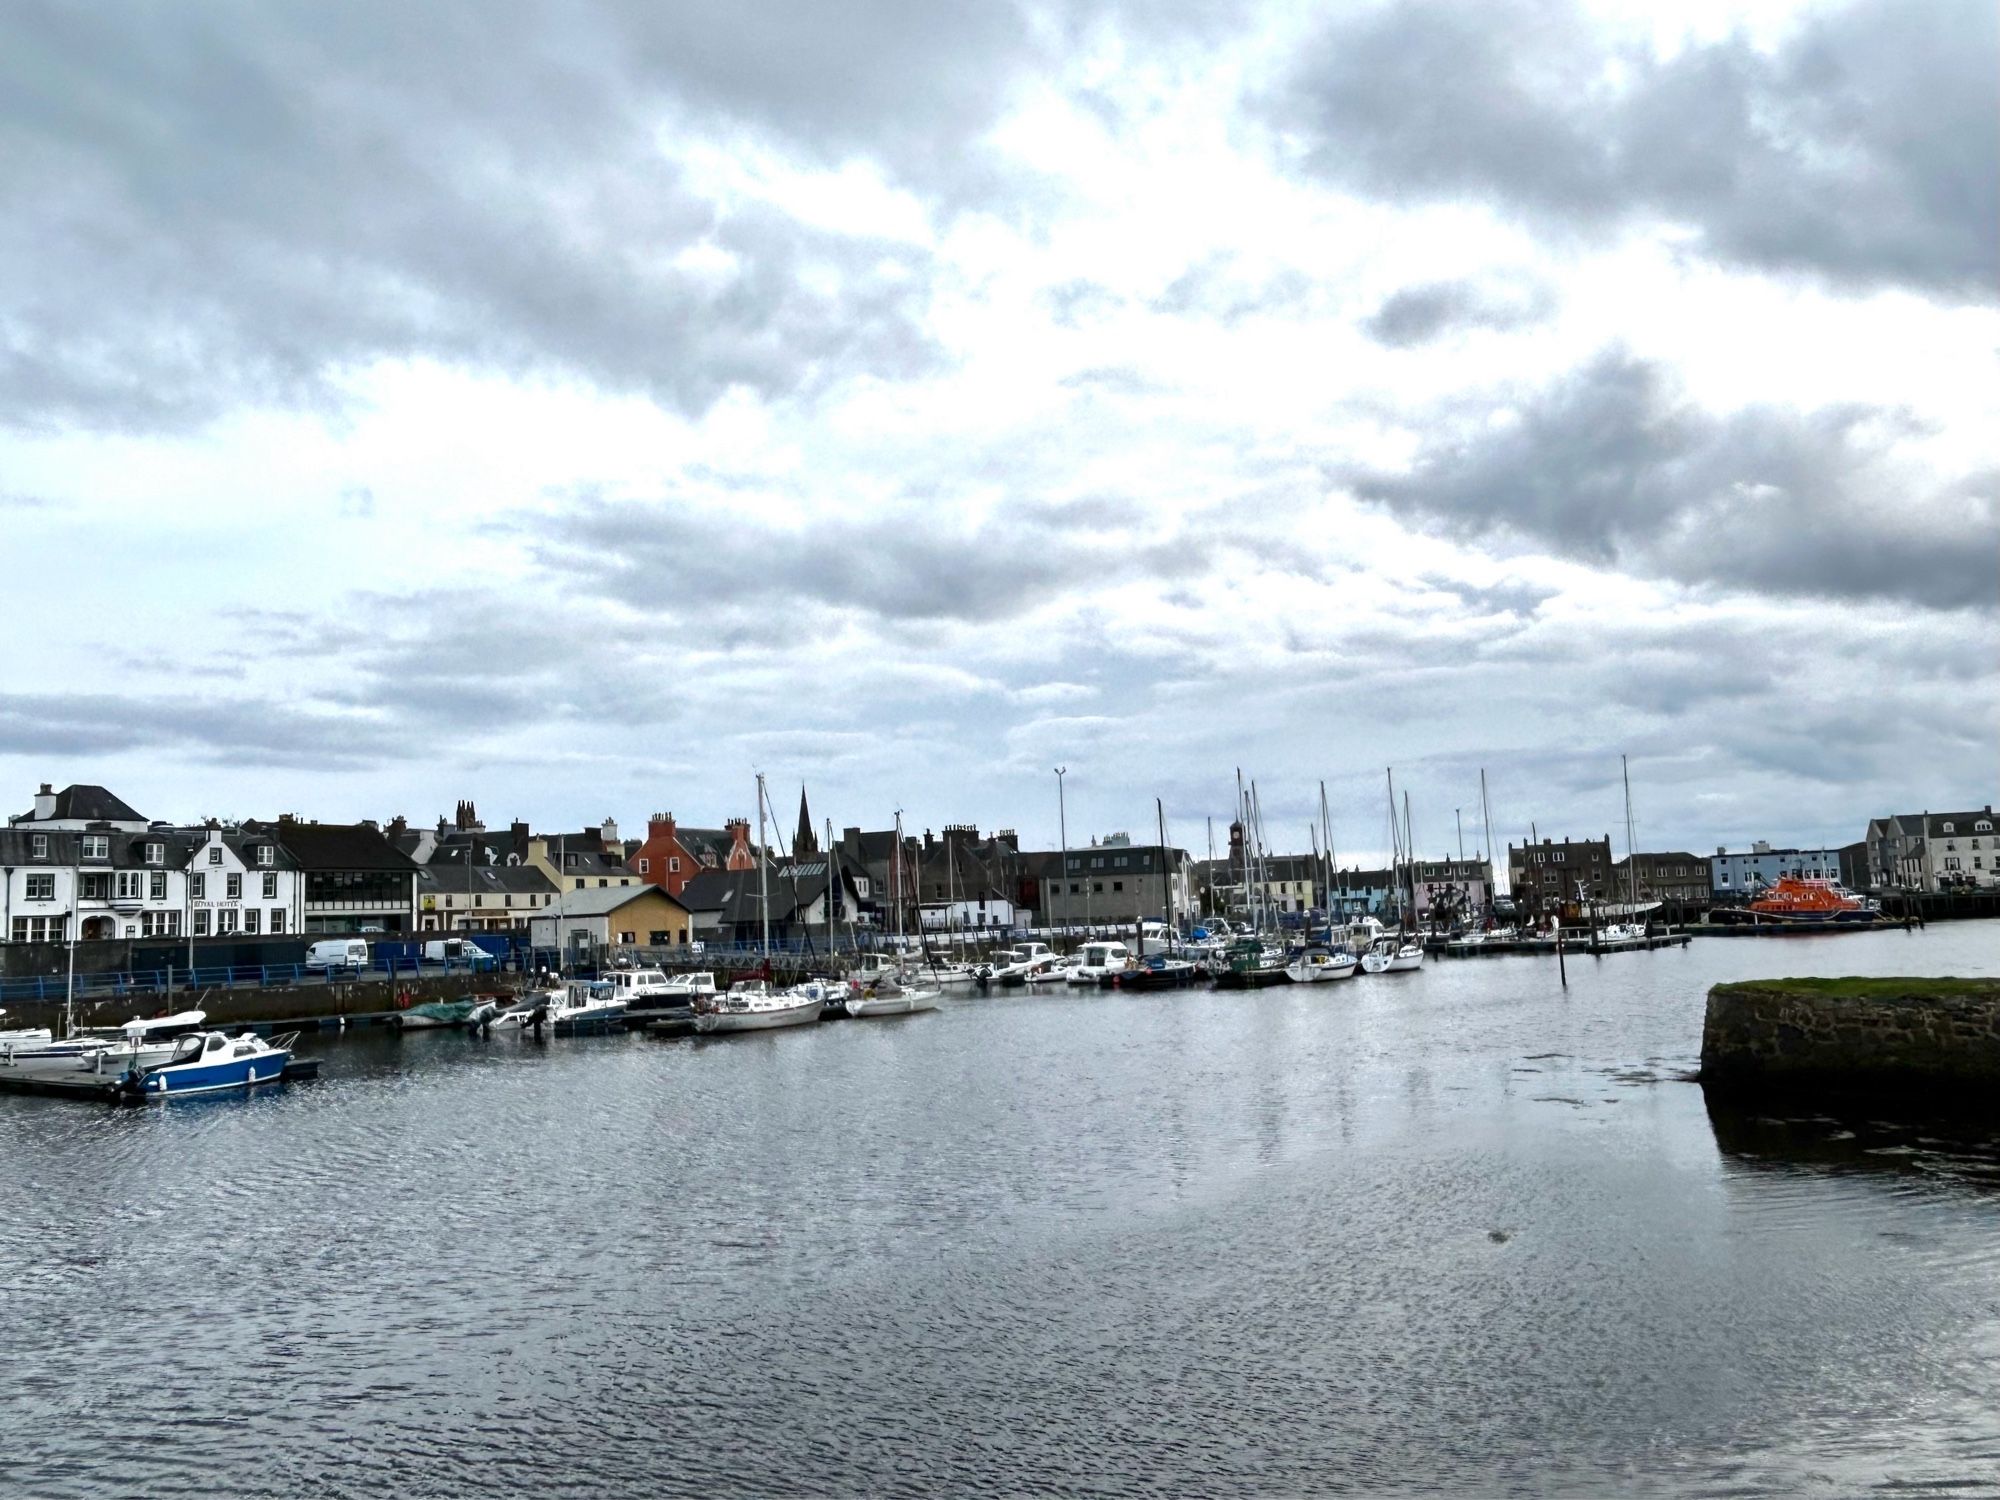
336,955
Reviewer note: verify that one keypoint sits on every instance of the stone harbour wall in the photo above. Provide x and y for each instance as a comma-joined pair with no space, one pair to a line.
251,1005
1855,1036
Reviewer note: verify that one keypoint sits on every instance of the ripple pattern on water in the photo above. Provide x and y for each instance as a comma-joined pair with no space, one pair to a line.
1466,1232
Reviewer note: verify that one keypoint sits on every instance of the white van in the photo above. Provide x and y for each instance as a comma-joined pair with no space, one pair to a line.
456,950
338,953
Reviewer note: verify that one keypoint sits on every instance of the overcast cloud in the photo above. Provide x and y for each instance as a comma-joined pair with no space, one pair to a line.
578,408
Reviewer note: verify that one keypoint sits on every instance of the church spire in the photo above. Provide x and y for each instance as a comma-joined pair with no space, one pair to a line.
805,841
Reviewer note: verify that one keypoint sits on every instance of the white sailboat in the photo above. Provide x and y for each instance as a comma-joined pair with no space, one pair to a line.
1389,956
1319,965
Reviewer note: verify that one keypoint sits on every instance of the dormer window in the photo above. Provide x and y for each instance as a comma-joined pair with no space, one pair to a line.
38,846
1982,826
96,846
263,854
156,854
1950,828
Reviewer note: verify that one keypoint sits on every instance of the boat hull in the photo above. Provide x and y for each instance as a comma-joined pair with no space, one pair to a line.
892,1005
716,1023
214,1078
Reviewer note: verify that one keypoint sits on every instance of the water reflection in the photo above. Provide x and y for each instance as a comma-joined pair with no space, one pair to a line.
1957,1148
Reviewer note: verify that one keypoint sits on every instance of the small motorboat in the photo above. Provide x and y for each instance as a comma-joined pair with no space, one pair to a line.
752,1005
1387,956
1158,972
209,1062
582,1005
1098,962
1318,965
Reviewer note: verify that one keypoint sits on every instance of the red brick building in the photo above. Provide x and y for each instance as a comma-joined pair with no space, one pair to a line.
672,855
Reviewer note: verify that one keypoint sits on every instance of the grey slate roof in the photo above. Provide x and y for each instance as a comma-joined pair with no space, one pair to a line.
339,846
88,803
507,880
601,901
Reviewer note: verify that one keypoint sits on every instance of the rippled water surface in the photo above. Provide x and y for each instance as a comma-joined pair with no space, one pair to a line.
1454,1231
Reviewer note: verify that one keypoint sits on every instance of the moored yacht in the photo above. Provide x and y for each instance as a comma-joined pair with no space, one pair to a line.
1391,956
1318,965
752,1005
1097,962
207,1062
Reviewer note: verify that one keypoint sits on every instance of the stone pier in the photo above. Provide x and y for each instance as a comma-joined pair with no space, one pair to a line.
1924,1037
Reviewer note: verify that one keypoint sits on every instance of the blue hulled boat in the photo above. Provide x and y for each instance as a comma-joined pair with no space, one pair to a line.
208,1062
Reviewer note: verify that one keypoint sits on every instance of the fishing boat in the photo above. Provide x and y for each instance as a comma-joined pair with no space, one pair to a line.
892,999
752,1005
1389,956
642,989
1251,965
1318,965
209,1062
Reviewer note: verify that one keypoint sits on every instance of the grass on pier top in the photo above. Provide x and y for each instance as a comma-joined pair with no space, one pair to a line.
1856,988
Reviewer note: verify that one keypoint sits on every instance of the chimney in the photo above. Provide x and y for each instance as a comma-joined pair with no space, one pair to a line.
660,826
609,833
45,803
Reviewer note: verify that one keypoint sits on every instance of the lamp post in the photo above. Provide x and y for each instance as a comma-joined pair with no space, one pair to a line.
1062,825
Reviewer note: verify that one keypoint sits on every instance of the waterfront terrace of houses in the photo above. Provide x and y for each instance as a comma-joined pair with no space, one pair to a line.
355,879
85,853
1677,879
1549,878
454,895
1933,851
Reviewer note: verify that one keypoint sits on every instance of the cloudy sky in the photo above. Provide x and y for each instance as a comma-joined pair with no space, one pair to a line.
579,409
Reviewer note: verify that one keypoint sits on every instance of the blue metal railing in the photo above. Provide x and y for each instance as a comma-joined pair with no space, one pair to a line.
46,987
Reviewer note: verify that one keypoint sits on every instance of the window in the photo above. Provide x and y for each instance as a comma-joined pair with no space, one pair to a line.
40,929
156,854
657,939
673,864
198,887
602,881
158,890
277,919
201,921
264,854
625,937
270,887
38,846
250,918
97,846
41,888
645,867
215,854
478,900
95,886
1117,885
1097,887
131,885
225,920
1949,828
1982,826
233,886
163,924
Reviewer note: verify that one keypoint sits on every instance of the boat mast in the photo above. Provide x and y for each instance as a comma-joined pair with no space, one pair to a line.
1166,891
763,866
1410,854
1486,817
1243,829
1631,859
1395,844
830,888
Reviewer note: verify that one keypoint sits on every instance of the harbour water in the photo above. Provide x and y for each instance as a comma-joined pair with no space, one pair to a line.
1458,1231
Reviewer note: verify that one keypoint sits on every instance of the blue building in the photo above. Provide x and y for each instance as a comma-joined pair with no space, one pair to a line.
1759,866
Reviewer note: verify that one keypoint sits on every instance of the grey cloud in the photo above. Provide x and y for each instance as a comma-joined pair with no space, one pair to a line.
1865,148
913,569
229,731
1421,314
1223,288
1613,465
242,203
